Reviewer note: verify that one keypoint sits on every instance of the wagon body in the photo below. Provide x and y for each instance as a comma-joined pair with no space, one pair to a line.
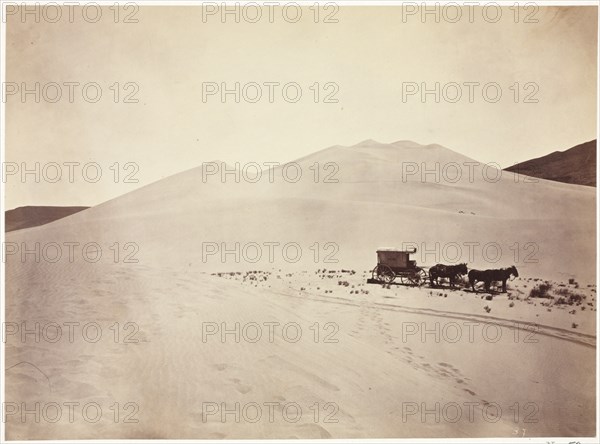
393,263
394,259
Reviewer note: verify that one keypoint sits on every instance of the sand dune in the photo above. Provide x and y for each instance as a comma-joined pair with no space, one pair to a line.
379,200
169,372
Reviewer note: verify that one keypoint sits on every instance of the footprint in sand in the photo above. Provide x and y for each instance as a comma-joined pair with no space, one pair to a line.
242,388
315,431
470,392
220,367
449,368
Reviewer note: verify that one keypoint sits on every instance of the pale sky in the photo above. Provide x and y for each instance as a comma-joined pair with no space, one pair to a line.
369,53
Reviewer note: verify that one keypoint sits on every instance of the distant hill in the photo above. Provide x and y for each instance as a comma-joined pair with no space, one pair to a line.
576,165
33,216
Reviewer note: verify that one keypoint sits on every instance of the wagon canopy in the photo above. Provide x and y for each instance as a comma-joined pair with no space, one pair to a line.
395,258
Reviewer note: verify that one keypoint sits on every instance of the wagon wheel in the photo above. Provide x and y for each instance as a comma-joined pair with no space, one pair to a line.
404,279
384,273
424,276
419,277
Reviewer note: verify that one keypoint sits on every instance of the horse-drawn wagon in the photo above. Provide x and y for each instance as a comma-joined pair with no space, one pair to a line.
392,264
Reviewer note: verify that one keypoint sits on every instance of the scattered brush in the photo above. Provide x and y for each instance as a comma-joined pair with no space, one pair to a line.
541,291
568,297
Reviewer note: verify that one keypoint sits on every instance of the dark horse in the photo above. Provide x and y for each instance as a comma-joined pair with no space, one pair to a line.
489,276
452,272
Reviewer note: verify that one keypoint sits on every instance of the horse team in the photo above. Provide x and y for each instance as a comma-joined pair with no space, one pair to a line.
455,272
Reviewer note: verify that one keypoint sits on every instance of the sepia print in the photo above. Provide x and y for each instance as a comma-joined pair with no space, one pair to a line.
299,220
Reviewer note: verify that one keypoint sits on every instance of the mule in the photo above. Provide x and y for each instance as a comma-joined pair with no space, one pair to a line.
489,276
452,272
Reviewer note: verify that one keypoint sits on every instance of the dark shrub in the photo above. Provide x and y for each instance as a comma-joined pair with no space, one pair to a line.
540,291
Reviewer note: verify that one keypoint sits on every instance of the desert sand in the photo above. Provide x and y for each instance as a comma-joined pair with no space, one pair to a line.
350,355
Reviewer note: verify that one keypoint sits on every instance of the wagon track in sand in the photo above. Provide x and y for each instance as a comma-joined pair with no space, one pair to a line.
545,330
